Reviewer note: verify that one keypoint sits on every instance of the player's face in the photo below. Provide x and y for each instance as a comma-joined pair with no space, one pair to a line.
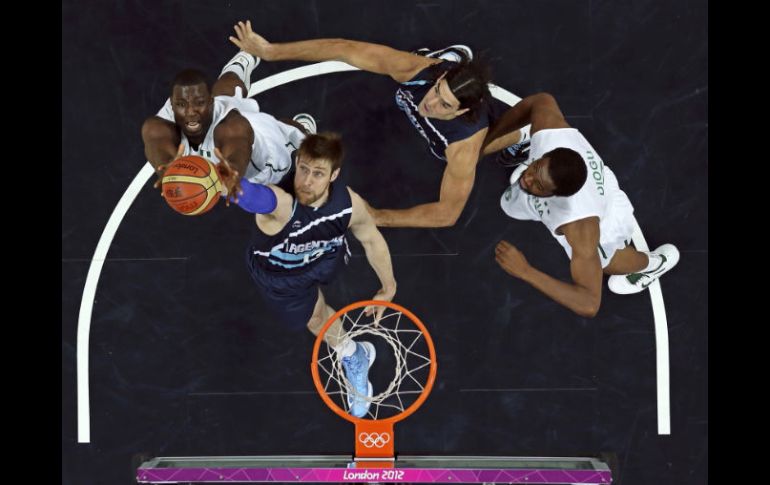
536,180
312,180
193,110
440,102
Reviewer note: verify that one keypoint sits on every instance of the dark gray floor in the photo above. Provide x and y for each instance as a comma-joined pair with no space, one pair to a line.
185,360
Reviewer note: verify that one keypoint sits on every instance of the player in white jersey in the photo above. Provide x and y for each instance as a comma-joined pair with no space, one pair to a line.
566,185
195,119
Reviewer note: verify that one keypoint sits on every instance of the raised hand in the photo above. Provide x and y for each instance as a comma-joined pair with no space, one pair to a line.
377,311
249,41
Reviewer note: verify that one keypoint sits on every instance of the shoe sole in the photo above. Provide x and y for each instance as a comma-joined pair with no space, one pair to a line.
368,403
371,355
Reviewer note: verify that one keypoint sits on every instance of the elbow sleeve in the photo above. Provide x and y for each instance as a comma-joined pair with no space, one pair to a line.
256,198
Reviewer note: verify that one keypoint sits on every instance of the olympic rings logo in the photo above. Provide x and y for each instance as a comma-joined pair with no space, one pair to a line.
374,439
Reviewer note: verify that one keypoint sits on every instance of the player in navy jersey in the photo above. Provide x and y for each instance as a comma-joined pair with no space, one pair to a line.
301,243
448,102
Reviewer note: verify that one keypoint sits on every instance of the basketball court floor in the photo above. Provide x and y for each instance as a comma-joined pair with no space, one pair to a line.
181,356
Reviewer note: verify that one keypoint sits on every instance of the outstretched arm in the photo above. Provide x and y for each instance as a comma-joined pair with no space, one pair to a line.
161,144
233,138
270,203
375,58
456,186
160,168
584,295
541,110
377,253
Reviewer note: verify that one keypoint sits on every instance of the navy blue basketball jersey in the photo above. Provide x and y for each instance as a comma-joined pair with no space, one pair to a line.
312,235
438,133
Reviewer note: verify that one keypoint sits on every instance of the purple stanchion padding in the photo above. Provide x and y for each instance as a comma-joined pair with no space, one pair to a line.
395,475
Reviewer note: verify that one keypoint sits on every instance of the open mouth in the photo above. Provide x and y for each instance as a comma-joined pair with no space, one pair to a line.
193,126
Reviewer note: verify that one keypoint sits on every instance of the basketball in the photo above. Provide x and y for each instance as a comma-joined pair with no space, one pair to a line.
191,185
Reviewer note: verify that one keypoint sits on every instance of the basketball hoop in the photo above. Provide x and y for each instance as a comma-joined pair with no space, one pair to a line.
414,372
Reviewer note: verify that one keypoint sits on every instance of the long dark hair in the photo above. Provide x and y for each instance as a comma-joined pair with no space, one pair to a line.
468,82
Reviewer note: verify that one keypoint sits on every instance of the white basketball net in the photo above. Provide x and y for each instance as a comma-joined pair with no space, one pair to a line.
409,351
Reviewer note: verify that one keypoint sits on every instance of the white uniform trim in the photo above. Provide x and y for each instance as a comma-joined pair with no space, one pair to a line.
306,228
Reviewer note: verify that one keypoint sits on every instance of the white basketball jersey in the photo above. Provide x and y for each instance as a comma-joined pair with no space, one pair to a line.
599,196
273,141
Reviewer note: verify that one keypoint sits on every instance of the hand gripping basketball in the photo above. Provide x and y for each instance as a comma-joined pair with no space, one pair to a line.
160,169
230,178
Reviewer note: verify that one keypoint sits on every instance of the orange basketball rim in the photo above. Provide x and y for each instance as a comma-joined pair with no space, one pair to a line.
415,373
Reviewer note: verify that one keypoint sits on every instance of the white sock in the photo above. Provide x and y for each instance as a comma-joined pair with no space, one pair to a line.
237,70
653,262
346,348
524,134
241,66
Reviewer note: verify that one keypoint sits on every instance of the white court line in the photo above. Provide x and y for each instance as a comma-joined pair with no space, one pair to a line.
95,269
661,341
299,73
658,310
87,302
505,96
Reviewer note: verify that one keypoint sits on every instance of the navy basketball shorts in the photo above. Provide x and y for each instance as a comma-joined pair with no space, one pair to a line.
292,296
